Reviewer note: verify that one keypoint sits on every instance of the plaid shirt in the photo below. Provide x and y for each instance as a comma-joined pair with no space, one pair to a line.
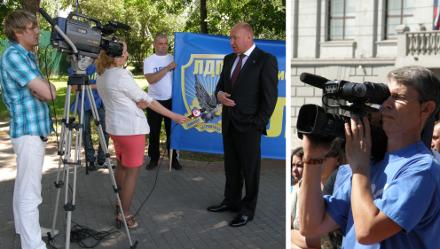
29,116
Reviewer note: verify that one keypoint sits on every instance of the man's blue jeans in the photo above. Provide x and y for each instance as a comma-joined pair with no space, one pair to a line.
87,136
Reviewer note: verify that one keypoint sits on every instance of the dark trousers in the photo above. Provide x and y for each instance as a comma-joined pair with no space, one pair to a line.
155,123
87,136
242,165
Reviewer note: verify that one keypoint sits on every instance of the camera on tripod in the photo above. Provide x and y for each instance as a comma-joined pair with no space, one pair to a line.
82,38
365,98
87,34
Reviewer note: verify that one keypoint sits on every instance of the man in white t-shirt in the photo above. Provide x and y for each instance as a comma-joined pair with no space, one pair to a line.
157,71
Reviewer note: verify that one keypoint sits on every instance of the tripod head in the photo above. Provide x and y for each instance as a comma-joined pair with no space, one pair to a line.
79,64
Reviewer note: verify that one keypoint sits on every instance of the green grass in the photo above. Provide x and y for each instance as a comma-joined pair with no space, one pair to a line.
4,114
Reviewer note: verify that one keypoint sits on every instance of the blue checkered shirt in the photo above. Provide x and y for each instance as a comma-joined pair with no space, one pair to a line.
29,116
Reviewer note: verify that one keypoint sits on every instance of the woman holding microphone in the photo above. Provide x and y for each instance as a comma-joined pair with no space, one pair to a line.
126,123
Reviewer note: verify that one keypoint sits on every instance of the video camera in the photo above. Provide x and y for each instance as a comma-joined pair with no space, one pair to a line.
87,35
323,126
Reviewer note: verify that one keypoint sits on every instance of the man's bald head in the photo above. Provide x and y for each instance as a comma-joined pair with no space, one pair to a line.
242,37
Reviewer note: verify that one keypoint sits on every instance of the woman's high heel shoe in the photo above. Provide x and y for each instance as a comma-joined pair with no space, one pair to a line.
131,221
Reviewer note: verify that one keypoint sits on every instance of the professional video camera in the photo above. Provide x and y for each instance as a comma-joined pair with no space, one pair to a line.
365,97
86,33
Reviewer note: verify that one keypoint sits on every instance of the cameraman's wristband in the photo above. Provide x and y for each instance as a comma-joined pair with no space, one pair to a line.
313,160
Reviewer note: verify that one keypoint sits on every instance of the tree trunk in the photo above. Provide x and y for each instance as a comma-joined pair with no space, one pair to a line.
203,16
30,5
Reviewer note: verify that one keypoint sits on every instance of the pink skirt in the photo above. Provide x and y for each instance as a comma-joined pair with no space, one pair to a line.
129,150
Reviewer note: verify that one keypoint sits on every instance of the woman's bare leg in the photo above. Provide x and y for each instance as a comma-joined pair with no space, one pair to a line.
128,188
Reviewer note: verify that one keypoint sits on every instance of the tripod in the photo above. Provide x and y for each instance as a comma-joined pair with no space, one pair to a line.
69,149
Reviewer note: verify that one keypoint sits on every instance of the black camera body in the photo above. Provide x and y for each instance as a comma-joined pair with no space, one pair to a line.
87,39
87,34
314,121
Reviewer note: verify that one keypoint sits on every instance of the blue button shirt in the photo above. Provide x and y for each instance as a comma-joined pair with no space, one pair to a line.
29,116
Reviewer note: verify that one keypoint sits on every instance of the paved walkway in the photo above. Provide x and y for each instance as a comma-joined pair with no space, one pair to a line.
175,216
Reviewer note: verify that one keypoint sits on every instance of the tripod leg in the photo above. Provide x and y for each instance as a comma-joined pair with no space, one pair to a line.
69,206
58,185
61,149
107,158
69,128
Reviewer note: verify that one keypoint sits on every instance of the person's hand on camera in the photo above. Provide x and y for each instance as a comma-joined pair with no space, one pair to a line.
314,149
358,144
224,99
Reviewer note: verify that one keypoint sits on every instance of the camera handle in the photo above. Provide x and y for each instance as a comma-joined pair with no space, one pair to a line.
71,139
58,30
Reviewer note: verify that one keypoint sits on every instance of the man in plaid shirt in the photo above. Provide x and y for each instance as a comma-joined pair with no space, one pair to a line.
25,93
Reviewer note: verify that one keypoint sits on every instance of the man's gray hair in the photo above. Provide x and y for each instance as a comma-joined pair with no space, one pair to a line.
422,79
160,36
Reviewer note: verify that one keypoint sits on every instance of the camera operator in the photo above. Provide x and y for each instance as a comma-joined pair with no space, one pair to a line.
25,93
392,203
126,123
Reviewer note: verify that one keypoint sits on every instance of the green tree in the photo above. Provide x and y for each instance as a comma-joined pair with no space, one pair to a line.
31,6
5,8
145,17
149,17
268,18
203,16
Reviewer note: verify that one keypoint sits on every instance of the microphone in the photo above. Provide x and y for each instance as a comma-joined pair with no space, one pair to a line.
195,113
193,118
46,16
119,25
313,80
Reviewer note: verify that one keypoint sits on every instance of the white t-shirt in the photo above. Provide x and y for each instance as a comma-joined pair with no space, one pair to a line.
161,90
119,93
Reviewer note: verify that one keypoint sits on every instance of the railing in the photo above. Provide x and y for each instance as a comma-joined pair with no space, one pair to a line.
421,43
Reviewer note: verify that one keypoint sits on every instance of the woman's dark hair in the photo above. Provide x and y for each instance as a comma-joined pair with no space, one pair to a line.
299,152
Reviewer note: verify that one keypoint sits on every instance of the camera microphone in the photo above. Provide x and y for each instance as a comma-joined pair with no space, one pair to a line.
120,25
46,16
374,93
112,26
313,80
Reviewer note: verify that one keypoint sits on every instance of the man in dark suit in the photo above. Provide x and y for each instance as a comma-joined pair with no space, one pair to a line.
247,88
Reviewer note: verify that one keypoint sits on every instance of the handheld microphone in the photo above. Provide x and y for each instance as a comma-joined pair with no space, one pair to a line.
313,80
195,113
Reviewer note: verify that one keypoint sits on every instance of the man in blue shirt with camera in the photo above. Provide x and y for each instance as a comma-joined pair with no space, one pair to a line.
393,203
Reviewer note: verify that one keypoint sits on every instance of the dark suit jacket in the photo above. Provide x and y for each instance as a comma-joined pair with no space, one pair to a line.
255,92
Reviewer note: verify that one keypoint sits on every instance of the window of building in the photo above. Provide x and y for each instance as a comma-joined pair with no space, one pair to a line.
397,12
341,19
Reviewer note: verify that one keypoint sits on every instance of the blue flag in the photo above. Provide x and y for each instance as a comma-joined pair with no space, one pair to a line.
199,60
